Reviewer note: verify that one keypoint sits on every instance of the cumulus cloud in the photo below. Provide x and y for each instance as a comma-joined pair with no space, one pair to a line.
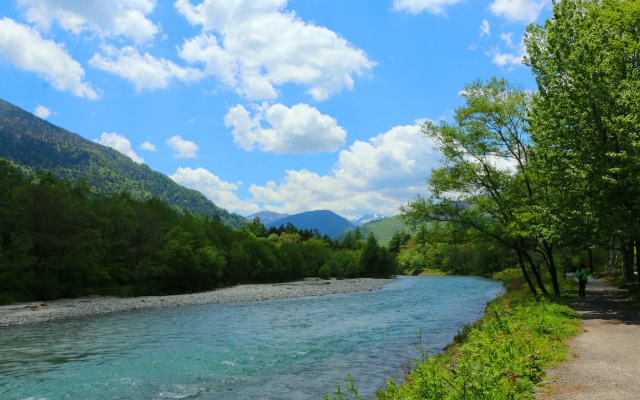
525,11
28,51
106,18
485,28
418,6
144,71
376,175
299,129
182,148
41,112
254,47
120,143
148,146
508,54
220,192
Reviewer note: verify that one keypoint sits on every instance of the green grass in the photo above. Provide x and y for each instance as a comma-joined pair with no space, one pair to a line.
502,356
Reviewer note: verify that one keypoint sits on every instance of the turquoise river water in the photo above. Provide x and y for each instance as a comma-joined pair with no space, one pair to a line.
283,349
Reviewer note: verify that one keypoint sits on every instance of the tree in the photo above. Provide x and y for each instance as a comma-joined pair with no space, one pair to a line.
585,117
486,185
376,261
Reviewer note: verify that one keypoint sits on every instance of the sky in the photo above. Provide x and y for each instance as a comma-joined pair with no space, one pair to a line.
264,105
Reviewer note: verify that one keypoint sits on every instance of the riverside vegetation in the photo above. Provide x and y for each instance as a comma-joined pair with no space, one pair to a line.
59,239
502,356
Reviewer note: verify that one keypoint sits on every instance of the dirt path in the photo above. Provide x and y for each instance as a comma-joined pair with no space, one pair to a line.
604,360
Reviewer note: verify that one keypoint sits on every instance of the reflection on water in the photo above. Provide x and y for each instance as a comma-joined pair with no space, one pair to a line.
283,349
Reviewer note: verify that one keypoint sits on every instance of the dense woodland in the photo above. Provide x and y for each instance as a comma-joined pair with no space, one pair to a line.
552,176
60,239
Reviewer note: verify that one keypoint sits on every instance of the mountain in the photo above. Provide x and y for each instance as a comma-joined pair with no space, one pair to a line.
267,217
365,219
384,228
326,222
35,144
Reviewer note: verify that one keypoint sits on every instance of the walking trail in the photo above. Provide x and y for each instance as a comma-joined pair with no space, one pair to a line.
604,360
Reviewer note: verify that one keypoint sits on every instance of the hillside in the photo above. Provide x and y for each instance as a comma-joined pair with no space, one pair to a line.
35,144
384,229
326,222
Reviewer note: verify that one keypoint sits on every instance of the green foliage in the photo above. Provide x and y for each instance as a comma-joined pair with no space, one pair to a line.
385,229
376,261
344,263
58,239
585,121
351,389
487,190
503,356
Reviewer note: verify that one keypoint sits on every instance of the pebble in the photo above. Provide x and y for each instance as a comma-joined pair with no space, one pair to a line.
25,314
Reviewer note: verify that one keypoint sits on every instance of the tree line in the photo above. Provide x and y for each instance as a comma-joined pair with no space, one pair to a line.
60,239
552,176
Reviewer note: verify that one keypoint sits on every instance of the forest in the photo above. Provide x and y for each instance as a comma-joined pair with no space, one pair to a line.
62,239
551,175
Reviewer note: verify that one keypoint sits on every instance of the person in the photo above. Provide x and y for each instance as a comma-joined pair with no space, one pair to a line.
582,279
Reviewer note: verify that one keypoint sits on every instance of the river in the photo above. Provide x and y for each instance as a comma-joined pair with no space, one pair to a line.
282,349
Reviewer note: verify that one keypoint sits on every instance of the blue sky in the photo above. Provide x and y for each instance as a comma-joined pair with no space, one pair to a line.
286,106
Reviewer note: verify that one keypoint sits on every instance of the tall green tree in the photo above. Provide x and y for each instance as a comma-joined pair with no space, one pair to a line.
486,186
586,116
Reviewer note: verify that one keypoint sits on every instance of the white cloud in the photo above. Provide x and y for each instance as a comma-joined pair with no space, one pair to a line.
144,71
507,39
120,143
253,47
183,148
299,129
525,11
148,146
510,57
418,6
374,176
106,18
42,112
215,189
28,51
485,28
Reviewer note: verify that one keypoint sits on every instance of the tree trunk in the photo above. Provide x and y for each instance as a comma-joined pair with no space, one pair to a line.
525,274
638,256
548,249
536,272
627,258
590,255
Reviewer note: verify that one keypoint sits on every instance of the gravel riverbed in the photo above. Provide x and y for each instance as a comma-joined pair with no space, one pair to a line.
39,312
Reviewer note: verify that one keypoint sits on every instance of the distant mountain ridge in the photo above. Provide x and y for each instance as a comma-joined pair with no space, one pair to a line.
35,144
325,221
267,217
365,219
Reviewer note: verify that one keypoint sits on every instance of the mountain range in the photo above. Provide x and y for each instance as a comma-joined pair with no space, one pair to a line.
325,221
33,144
336,227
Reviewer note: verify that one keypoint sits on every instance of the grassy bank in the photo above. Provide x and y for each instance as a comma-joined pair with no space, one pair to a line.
502,356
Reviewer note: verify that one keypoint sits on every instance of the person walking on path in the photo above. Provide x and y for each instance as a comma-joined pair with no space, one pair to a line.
582,280
602,361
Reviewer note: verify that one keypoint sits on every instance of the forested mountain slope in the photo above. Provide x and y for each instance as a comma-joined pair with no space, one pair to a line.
35,144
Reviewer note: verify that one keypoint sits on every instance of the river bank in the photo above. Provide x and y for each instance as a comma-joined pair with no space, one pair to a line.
39,312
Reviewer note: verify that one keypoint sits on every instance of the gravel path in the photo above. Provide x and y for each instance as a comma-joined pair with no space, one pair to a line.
604,360
38,312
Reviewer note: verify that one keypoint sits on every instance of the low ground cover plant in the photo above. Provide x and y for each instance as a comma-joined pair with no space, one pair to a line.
502,356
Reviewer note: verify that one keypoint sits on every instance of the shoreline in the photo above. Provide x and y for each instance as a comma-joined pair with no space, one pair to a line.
37,312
